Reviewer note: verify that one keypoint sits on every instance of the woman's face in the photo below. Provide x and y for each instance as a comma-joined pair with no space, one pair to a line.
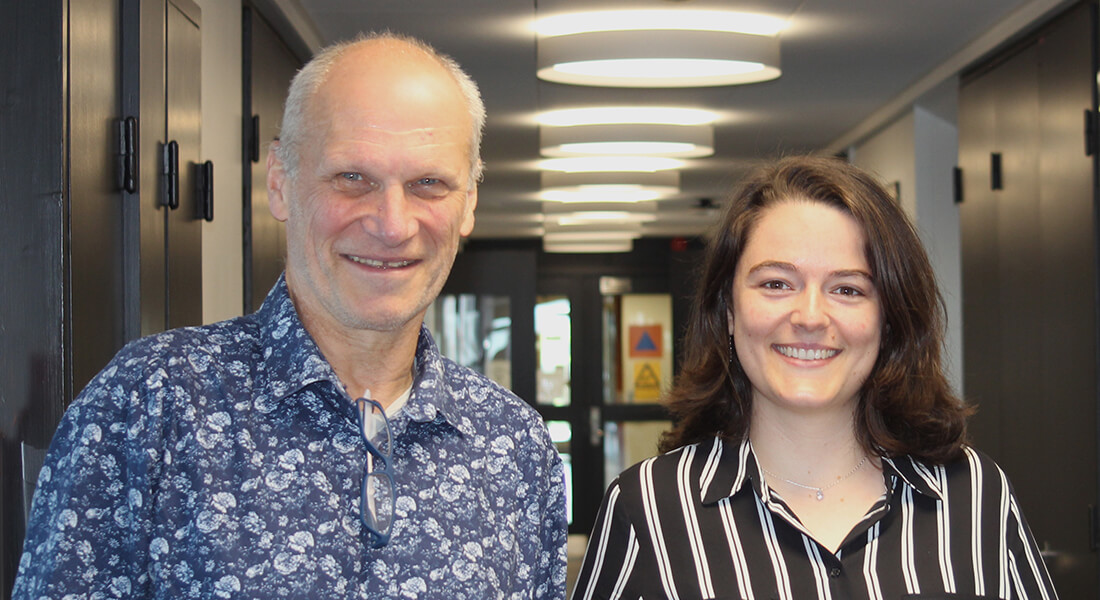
806,317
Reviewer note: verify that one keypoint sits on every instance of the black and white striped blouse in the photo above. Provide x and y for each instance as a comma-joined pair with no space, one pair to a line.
697,523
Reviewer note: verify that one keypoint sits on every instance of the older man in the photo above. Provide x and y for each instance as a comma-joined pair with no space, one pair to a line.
320,447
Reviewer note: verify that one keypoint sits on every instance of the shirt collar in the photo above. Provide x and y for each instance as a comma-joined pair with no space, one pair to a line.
291,361
927,480
435,394
737,468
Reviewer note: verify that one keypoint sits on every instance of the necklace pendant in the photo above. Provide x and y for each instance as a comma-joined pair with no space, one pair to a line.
820,495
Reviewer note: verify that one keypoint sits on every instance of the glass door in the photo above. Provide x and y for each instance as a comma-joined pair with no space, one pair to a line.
592,352
588,340
484,322
605,355
637,369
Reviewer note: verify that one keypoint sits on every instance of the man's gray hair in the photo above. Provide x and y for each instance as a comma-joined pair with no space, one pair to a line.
310,78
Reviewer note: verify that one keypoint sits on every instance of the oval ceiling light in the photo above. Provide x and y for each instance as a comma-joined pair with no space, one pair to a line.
553,243
596,115
634,139
606,193
619,164
577,236
634,20
658,48
601,217
609,187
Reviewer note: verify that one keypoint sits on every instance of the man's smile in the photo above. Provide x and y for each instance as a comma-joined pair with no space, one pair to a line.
380,264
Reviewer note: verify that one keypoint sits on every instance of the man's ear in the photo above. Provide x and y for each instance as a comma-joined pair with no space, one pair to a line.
467,225
276,182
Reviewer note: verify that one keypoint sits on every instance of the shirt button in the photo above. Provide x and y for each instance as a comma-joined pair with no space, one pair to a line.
834,572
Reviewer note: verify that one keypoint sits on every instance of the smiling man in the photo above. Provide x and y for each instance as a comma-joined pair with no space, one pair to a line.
320,447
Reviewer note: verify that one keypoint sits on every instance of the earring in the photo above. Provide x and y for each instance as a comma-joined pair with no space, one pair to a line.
731,350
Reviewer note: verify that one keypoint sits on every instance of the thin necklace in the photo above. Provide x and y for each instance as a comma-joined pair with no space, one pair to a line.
819,491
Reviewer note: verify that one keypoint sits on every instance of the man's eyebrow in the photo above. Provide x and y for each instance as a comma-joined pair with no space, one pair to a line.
786,266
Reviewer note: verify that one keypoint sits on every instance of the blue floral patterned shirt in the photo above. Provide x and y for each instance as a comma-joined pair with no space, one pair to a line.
225,461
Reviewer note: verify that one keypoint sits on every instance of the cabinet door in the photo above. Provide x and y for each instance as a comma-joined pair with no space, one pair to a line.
144,98
95,219
270,66
183,303
1029,285
980,257
167,79
60,232
1019,249
1068,327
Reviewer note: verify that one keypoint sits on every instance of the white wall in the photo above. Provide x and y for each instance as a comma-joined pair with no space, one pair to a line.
890,154
222,256
937,144
919,150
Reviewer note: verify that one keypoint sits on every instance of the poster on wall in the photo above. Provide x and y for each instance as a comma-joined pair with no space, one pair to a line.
645,341
647,380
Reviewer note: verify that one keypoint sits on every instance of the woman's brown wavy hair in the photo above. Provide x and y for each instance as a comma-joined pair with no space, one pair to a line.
906,406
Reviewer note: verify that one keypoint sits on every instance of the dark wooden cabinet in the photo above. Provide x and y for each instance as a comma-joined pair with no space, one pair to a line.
162,77
183,107
35,365
87,265
1029,283
269,65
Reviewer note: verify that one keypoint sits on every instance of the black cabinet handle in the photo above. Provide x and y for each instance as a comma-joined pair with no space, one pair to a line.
1091,126
127,155
170,171
254,143
206,191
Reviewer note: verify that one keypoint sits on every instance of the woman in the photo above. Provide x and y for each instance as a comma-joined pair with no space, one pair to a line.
818,450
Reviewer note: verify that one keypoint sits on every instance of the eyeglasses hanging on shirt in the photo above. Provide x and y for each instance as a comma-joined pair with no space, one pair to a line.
376,502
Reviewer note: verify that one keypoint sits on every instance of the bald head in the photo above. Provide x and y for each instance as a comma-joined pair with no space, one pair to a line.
399,74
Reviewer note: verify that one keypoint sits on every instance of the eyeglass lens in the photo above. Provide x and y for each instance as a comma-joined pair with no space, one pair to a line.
379,493
375,427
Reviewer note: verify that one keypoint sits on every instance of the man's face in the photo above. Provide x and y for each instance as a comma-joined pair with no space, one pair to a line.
382,195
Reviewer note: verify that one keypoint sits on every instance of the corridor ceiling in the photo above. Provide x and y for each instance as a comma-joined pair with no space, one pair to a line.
849,67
